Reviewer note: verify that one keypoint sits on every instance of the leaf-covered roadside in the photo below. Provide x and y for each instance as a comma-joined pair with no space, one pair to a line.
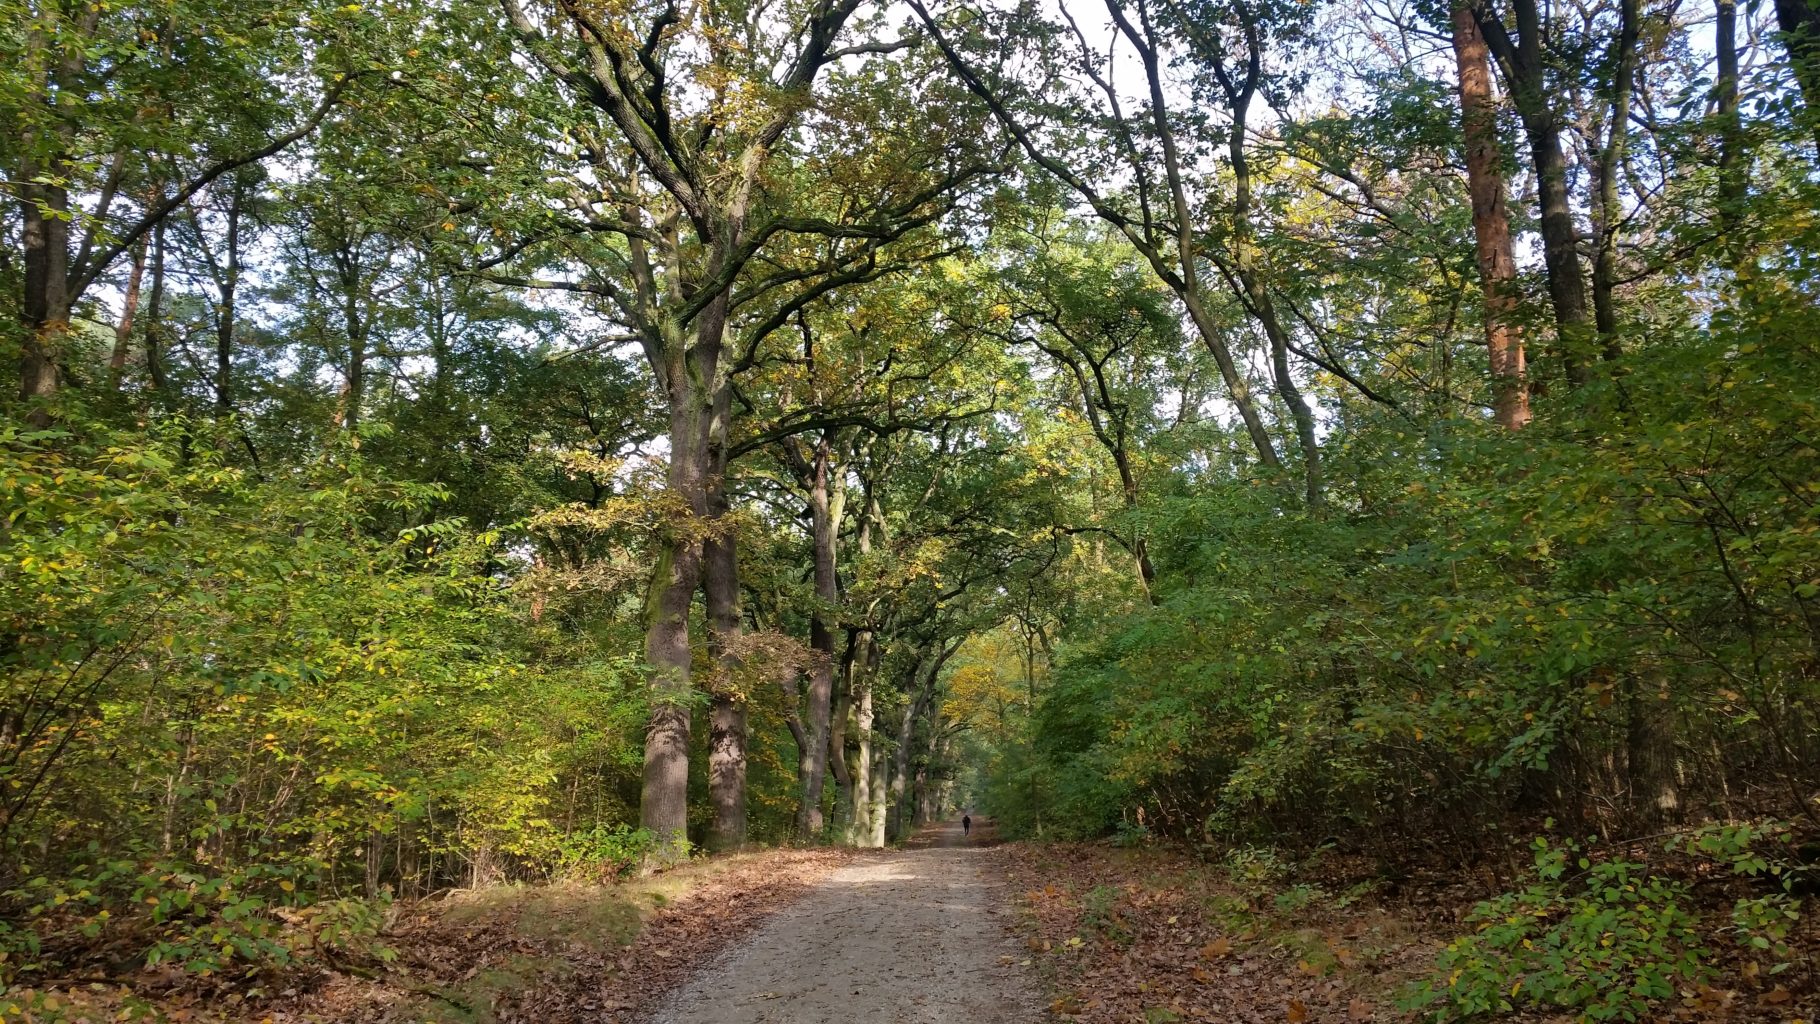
551,954
1153,935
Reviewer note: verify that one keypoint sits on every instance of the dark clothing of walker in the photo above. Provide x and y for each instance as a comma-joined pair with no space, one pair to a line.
966,824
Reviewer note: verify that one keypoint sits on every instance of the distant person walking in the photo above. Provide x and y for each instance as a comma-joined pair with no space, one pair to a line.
966,824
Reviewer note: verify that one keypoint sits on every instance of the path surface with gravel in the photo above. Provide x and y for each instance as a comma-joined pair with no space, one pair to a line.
904,937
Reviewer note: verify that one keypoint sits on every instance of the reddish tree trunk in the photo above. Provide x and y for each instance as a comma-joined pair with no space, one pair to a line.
1490,224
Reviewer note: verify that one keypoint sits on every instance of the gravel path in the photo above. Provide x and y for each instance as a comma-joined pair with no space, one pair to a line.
905,937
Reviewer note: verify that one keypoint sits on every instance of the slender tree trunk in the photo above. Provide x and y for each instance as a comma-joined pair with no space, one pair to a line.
1733,166
823,527
1140,547
1256,295
1490,225
226,312
860,830
916,693
1610,166
129,307
154,314
838,765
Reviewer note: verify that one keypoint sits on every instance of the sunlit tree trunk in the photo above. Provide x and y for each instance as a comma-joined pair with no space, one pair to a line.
1490,224
129,308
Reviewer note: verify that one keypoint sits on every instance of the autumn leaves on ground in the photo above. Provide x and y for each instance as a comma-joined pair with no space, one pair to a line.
949,927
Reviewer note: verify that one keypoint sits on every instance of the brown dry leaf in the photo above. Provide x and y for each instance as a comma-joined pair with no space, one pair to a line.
1298,1012
1358,1009
1217,948
1776,996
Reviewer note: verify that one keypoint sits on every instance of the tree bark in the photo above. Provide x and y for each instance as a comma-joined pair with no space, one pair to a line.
824,502
664,799
1732,164
45,311
864,714
727,729
1610,165
1521,61
727,714
1490,224
123,330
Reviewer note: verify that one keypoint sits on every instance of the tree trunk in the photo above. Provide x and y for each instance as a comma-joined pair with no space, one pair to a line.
1610,166
45,309
1523,67
861,830
823,506
129,306
915,693
880,785
1655,795
664,799
838,765
228,283
154,314
1733,168
727,735
1256,295
1490,224
727,714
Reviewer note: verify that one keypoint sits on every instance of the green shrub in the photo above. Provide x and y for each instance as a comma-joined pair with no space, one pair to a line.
607,851
1606,942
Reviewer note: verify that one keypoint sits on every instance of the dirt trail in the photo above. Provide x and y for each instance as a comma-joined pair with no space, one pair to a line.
903,937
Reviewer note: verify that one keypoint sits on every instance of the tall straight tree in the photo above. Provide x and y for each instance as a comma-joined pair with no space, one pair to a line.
1490,223
1521,56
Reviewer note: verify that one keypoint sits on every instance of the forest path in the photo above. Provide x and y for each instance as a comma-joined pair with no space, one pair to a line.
909,936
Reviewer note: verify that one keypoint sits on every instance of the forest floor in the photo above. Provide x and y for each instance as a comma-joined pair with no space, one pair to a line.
947,928
1154,936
